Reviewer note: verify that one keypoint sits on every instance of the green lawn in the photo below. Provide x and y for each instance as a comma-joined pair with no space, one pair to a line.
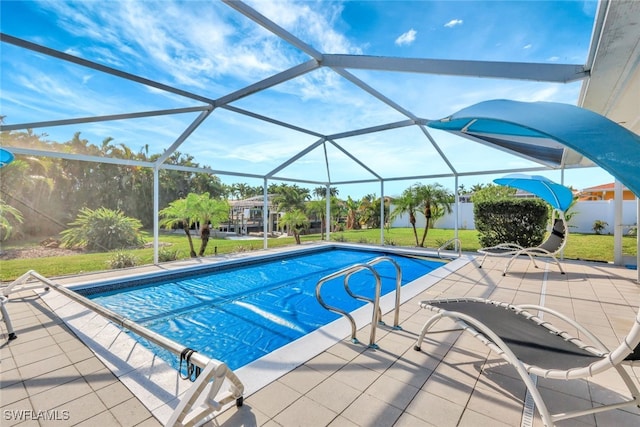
580,246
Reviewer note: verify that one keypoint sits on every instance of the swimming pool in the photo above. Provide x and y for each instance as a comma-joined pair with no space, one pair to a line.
240,313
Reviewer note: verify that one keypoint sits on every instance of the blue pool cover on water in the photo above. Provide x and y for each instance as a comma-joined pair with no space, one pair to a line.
239,315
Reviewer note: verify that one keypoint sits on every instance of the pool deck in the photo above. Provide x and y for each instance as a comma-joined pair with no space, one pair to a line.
49,372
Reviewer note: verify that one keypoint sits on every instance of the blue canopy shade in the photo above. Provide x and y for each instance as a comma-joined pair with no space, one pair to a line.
557,195
554,134
6,157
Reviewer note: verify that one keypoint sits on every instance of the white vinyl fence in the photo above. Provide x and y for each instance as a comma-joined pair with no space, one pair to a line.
585,215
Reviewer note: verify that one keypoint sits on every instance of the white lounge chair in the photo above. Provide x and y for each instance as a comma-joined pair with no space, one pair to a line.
550,247
534,346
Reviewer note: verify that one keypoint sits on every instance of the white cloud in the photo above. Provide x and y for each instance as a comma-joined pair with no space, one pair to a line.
453,23
406,38
527,46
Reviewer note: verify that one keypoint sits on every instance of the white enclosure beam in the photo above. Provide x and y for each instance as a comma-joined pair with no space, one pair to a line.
276,79
99,67
111,117
540,72
269,25
187,132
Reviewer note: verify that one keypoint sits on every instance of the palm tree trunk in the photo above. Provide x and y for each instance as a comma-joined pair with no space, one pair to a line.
204,237
412,221
185,227
426,229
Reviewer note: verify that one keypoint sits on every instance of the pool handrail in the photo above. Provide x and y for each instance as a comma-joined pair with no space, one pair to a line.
396,315
377,312
457,248
211,368
376,302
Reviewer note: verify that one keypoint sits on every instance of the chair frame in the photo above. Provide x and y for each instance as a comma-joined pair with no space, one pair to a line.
514,250
607,359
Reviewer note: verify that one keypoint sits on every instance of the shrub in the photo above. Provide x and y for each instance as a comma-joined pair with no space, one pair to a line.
103,229
339,238
599,225
122,260
165,255
520,221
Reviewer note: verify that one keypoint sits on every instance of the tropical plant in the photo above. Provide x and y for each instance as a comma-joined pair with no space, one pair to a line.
195,209
351,207
369,211
296,221
435,201
122,260
407,203
599,226
103,229
8,215
166,254
291,197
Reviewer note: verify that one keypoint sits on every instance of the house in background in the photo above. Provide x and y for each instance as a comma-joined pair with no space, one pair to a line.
603,192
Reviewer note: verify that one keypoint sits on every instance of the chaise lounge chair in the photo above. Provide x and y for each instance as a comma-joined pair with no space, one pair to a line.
533,346
550,247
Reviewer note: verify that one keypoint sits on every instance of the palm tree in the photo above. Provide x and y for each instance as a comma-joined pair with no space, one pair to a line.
212,211
407,203
317,209
434,200
195,208
295,221
351,207
290,198
179,214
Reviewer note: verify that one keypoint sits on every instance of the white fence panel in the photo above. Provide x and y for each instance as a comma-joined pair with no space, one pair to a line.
586,213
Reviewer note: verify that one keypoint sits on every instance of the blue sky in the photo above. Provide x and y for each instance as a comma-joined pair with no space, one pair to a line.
208,48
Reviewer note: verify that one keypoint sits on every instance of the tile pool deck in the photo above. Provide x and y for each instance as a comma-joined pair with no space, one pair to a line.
48,372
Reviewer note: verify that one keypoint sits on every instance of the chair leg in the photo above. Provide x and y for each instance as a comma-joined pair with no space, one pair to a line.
482,261
428,324
558,264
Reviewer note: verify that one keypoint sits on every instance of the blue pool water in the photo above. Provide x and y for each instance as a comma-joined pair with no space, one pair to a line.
239,315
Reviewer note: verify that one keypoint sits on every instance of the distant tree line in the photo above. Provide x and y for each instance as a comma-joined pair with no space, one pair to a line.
42,195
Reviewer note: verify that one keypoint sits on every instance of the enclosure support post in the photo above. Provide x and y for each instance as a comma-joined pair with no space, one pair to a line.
456,211
617,224
382,218
265,215
327,215
156,208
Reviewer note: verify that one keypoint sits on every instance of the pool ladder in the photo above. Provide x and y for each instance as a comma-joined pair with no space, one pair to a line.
377,312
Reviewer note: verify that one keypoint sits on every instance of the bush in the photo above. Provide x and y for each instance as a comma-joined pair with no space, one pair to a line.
103,230
520,221
122,260
165,255
599,226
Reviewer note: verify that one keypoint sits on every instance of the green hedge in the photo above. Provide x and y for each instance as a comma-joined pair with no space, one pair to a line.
521,221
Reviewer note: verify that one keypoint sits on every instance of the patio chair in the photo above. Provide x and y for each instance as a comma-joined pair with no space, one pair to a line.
534,346
550,247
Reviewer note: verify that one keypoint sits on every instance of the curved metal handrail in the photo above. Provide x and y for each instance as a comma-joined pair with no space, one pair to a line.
448,242
347,272
377,312
396,316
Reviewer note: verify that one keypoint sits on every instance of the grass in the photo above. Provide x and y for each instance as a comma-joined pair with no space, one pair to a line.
580,246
